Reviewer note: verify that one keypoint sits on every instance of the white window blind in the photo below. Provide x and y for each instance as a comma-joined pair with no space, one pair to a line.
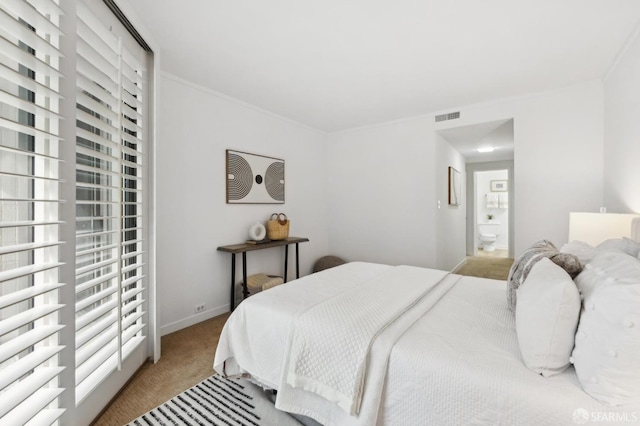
29,212
109,210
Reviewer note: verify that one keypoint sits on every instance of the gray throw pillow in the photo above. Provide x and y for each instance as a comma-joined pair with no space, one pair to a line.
523,264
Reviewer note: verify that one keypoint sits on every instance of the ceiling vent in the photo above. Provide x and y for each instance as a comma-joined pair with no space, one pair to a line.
449,116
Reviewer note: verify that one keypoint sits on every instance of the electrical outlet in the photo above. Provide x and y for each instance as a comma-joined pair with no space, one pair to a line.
200,308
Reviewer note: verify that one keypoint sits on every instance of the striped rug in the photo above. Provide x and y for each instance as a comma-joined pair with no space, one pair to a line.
218,401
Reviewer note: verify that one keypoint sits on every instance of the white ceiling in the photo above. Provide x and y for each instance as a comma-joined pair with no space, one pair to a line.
467,139
339,64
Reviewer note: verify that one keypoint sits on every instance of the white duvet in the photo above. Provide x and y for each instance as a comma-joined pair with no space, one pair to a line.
331,341
458,363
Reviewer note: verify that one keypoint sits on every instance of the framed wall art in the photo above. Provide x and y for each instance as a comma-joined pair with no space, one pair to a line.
254,179
499,185
454,187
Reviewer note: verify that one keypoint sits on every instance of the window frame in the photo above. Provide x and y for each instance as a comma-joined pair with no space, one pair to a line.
87,410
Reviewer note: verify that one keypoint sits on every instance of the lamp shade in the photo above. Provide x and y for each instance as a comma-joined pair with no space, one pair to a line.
594,228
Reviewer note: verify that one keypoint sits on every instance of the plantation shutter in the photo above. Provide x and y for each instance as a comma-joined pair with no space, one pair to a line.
109,185
29,212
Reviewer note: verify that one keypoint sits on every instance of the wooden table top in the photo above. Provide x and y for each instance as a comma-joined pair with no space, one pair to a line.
243,247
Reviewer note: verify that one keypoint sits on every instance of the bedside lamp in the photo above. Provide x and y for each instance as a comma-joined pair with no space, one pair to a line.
594,228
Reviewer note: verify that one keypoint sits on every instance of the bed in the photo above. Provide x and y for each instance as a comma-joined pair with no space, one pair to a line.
449,356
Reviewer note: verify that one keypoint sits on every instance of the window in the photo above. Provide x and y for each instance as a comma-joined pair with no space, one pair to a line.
29,212
106,340
109,185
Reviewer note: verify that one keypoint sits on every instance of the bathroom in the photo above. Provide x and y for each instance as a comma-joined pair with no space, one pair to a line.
492,213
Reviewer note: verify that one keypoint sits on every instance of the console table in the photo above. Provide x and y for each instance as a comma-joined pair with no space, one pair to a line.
244,248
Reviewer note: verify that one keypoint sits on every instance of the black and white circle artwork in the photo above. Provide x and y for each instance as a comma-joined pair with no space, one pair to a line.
239,177
274,180
254,179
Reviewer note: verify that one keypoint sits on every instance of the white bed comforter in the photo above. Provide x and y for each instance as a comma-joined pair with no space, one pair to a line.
458,363
331,348
257,339
331,341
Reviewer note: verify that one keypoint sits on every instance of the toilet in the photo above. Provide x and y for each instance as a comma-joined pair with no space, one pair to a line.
488,241
487,235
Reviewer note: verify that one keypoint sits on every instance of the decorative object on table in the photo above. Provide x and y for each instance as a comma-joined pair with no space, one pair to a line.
327,262
258,242
257,232
278,227
499,185
256,283
261,282
454,187
243,248
254,179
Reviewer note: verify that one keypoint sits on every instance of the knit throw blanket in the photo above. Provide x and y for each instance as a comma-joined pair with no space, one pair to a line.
331,341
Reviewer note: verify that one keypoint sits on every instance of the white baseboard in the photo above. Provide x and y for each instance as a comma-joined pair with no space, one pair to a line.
193,319
459,265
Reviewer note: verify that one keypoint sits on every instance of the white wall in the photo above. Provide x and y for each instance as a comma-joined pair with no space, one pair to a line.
366,194
557,158
500,225
450,220
381,193
622,133
195,127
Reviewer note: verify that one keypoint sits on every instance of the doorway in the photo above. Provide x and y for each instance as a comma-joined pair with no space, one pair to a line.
487,146
491,224
479,206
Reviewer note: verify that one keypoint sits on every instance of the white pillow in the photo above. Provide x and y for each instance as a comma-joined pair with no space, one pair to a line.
546,318
607,346
624,244
580,249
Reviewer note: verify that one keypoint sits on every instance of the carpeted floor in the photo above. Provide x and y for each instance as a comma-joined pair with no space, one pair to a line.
486,267
187,359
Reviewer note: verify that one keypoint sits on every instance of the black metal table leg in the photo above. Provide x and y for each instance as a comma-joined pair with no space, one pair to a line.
245,291
232,303
286,261
297,262
244,248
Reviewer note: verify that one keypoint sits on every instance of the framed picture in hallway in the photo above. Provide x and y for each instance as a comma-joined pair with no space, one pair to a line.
499,186
454,187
